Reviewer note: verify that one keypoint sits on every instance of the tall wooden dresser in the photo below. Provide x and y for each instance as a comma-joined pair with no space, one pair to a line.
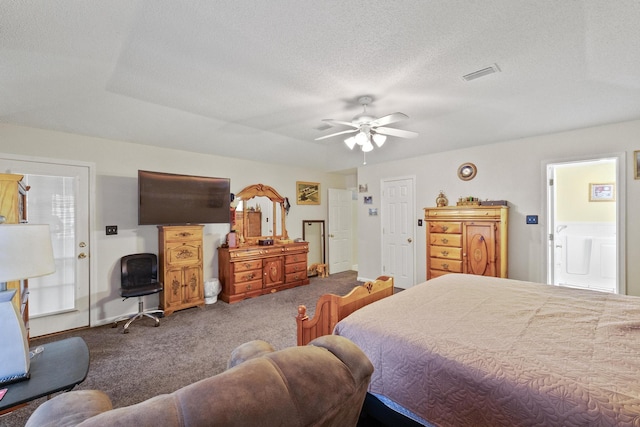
180,267
467,239
250,271
13,206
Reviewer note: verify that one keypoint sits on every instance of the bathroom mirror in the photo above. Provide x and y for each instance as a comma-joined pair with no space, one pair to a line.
260,214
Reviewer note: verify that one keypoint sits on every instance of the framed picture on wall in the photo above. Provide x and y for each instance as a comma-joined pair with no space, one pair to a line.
307,193
602,192
636,164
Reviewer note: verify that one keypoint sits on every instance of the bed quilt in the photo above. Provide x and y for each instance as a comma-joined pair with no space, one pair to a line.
464,350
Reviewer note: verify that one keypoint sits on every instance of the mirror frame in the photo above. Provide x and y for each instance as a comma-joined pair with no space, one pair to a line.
261,190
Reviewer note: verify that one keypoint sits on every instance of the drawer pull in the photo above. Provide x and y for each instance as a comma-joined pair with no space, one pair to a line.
248,287
444,253
445,241
445,228
445,266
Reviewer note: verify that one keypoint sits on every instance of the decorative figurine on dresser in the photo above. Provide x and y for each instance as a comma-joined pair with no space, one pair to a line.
468,239
264,261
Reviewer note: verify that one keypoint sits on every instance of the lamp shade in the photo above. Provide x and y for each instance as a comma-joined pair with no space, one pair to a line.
351,142
25,251
379,139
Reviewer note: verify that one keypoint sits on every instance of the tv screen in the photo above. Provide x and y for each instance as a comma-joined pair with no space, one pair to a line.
170,199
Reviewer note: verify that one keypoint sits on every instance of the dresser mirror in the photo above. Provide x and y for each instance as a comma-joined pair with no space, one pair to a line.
260,214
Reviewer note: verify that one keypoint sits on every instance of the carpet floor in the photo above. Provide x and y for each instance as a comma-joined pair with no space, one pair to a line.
189,345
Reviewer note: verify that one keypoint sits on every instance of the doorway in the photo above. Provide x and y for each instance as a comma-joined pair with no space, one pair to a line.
586,224
59,195
313,233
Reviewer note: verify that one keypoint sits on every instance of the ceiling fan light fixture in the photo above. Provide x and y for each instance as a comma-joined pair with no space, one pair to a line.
379,139
351,142
361,138
367,146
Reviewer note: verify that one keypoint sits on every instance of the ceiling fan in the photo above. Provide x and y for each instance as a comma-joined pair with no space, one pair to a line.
369,129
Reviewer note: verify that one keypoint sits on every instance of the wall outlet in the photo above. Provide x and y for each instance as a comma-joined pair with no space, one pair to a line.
419,223
532,219
111,229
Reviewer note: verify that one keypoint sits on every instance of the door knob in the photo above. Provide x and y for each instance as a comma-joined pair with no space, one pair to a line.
82,244
82,255
409,240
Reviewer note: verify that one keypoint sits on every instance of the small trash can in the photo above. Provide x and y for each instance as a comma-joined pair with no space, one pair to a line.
211,290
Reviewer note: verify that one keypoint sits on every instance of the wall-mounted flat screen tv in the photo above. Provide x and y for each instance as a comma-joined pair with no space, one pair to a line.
171,199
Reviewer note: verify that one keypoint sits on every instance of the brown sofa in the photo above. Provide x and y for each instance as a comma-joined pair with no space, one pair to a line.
321,384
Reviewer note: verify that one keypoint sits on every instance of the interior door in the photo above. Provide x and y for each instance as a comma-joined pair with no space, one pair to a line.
398,236
340,242
59,196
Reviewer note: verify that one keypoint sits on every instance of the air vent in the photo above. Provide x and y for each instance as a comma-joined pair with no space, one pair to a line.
481,73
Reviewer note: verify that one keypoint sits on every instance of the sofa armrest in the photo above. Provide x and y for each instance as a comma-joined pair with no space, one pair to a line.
70,409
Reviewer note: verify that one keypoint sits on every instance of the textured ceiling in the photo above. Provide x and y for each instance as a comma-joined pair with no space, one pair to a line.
253,79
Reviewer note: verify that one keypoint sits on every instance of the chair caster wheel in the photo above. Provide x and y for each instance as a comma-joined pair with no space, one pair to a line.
156,325
125,331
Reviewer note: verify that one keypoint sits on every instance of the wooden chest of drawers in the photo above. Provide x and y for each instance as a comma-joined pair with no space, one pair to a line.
250,271
180,267
469,239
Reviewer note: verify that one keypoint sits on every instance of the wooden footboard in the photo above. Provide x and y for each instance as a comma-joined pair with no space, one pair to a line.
331,308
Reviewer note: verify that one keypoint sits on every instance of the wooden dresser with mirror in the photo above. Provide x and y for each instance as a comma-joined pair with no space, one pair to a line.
252,269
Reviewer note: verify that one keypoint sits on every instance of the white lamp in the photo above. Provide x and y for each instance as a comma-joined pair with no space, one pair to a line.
361,138
367,146
25,251
379,139
351,142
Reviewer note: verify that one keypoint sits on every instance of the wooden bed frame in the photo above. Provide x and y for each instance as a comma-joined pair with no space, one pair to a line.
332,308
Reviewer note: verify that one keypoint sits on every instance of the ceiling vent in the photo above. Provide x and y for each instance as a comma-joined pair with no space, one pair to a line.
481,73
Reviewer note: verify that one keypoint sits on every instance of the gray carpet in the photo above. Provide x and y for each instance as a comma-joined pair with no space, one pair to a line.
189,345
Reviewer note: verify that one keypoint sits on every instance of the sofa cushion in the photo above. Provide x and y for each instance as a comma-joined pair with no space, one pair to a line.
69,409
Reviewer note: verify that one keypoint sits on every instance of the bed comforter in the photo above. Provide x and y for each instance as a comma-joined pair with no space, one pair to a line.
464,350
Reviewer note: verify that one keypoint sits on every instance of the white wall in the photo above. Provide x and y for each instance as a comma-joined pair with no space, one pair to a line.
510,171
116,168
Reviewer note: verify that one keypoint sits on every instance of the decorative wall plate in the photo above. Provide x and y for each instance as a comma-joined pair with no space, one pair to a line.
467,171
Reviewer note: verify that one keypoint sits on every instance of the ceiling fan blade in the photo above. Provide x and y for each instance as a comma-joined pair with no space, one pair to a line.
338,122
391,118
396,132
337,133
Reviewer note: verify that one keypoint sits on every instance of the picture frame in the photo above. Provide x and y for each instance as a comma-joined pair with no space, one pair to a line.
373,211
307,193
368,200
636,164
602,192
363,188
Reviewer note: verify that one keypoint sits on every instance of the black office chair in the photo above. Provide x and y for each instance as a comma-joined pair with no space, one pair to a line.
139,277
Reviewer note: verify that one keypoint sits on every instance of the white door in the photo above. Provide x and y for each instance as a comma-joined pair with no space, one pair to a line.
584,228
58,196
398,253
340,242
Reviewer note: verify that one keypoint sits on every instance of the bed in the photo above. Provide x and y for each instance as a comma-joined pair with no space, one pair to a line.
465,350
